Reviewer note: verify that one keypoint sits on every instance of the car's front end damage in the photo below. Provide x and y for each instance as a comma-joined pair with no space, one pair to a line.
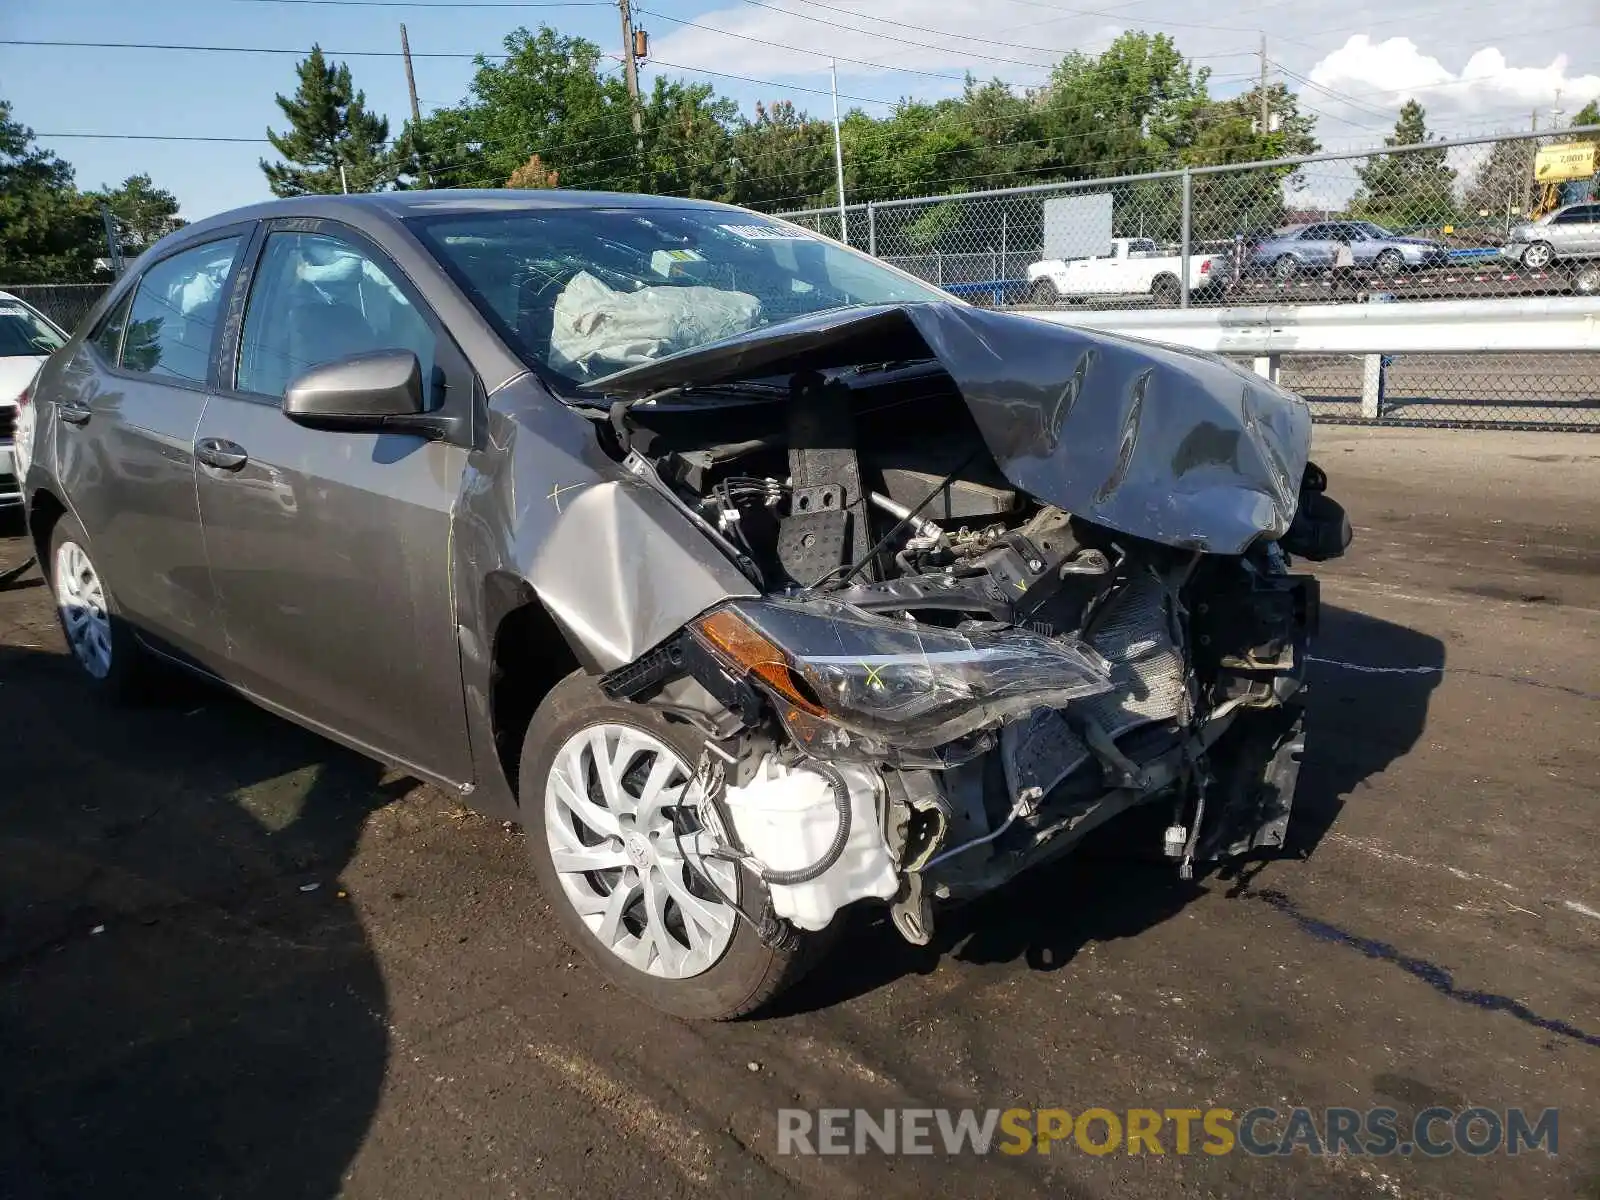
1013,580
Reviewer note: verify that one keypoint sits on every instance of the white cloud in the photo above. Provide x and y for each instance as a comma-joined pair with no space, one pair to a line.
1480,69
1368,74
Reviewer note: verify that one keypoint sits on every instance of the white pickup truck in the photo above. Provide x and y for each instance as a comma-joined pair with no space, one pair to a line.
1135,267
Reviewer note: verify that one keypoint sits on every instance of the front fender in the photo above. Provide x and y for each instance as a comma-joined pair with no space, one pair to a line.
545,514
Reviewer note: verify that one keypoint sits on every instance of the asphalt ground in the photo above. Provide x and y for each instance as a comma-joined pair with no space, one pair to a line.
237,961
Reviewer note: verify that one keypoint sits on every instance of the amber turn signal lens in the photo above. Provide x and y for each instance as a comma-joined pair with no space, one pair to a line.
741,643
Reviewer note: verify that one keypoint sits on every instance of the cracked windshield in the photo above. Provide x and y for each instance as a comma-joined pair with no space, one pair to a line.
585,292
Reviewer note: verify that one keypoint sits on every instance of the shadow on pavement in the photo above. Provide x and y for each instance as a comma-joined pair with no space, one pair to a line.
1357,723
182,1013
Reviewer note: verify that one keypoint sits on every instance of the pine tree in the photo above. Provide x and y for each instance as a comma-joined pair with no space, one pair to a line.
330,128
1408,191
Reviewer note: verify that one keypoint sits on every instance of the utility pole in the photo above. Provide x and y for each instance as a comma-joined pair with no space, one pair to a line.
630,71
1266,111
411,87
838,152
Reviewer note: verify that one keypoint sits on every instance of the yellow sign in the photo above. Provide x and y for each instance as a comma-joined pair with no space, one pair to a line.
1555,164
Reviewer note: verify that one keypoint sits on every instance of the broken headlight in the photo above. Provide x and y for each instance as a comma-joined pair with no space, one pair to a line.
895,683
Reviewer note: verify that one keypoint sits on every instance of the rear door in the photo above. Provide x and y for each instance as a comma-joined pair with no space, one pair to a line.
127,414
1583,233
1315,245
331,550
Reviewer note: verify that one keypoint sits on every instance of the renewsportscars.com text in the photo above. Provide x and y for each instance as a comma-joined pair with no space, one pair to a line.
1433,1132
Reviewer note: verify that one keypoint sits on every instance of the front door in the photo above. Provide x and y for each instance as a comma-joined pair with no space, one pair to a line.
131,402
331,551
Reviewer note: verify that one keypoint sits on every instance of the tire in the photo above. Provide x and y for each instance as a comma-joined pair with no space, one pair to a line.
1390,263
717,976
99,641
1538,256
1586,279
1285,266
1043,293
1166,291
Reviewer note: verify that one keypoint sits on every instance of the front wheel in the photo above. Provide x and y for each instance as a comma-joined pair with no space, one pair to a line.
1538,256
1389,263
1586,280
607,795
107,653
1166,291
1043,293
1286,266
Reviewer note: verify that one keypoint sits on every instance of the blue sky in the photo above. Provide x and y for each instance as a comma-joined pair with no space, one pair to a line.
1478,65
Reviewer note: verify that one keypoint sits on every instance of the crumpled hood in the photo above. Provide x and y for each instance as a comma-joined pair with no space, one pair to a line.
1172,445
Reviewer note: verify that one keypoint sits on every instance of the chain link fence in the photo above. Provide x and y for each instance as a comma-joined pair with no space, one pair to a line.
1468,218
64,303
1476,218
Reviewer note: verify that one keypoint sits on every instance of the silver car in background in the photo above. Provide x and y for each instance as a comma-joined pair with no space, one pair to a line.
1570,235
1313,248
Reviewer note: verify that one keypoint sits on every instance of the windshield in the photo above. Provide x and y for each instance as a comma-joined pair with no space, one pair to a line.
583,292
24,332
1377,231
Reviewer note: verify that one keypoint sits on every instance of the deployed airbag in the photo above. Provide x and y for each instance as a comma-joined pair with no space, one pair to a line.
593,322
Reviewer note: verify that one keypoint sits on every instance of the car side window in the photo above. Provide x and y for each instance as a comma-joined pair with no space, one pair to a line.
1315,233
175,310
317,298
108,338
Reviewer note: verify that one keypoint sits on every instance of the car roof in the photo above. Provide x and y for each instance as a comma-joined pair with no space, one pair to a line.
384,207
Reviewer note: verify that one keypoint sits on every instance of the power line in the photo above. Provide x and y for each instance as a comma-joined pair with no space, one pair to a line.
882,66
890,38
439,3
299,52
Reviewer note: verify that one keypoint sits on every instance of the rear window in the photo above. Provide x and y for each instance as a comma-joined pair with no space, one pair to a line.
24,332
175,312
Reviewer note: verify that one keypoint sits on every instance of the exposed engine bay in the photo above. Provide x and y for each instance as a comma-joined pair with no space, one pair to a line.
952,675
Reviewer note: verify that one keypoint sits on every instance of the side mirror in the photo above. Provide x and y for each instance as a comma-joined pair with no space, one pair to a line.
359,392
380,392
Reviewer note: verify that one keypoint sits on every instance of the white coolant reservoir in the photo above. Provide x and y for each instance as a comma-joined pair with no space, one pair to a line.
787,819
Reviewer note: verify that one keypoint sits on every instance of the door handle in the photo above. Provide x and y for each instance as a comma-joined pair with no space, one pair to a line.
74,414
221,453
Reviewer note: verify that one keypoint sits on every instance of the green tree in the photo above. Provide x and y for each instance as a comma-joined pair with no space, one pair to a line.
1407,191
144,212
782,158
1132,108
49,231
550,97
329,128
1229,131
1502,182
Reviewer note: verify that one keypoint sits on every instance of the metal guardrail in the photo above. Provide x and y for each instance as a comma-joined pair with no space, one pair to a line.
1530,363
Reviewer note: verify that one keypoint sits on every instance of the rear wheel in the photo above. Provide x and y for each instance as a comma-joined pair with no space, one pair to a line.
607,793
1166,291
1043,293
1285,266
99,640
1538,256
1586,280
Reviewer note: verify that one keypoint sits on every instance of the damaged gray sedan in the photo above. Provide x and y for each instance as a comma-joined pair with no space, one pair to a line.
756,579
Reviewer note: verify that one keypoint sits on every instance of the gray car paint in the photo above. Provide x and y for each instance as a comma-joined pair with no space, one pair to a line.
1172,445
379,544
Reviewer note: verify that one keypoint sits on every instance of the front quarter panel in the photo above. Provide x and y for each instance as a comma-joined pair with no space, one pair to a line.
546,516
